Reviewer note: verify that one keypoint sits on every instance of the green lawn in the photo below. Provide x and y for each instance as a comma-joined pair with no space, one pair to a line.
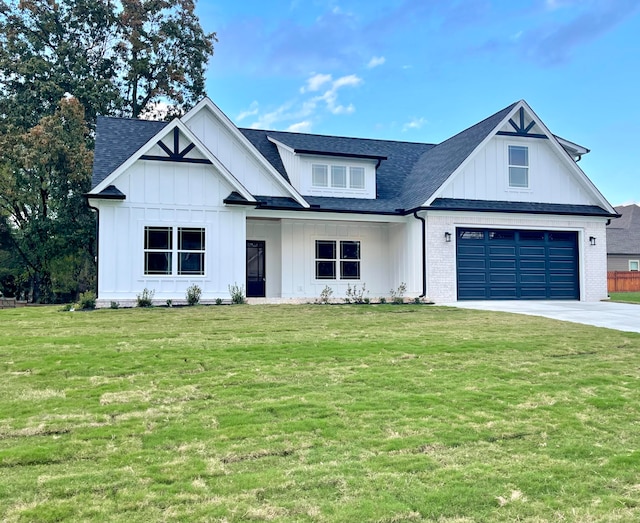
628,297
316,413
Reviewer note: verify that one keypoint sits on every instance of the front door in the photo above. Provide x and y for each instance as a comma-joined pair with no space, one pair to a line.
255,269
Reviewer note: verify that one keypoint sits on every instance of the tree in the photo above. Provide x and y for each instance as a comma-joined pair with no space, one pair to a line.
44,174
116,58
48,49
120,58
163,52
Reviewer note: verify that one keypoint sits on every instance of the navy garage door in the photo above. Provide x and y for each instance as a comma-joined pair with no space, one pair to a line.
497,264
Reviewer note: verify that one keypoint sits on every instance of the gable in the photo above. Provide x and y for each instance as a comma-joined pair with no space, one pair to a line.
224,140
550,179
549,174
177,146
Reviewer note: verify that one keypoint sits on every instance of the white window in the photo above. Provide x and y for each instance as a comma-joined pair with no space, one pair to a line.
327,258
162,258
319,177
634,265
337,176
356,177
519,166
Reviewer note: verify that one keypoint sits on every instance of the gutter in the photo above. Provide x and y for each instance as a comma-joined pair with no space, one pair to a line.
424,253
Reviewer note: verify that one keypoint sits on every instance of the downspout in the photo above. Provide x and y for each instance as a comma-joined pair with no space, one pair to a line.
97,242
424,254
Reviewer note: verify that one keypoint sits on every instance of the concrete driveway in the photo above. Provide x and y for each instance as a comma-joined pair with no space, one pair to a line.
619,316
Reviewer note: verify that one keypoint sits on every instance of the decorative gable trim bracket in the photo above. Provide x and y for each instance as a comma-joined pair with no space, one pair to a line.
177,127
520,129
175,155
520,108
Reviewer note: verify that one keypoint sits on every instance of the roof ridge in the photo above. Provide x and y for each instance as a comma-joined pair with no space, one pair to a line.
336,136
477,124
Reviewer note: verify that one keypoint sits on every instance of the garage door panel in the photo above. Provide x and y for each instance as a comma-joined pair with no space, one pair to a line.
512,264
561,265
502,277
466,263
532,251
532,293
539,278
472,278
528,264
498,250
503,293
472,250
502,263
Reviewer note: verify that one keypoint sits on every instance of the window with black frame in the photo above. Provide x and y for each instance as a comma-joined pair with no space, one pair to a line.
330,252
161,248
190,251
158,246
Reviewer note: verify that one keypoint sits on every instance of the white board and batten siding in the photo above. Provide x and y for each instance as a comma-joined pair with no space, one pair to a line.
234,155
486,176
298,242
172,195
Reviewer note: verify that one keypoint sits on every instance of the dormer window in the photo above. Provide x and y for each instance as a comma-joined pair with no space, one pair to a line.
337,176
356,177
319,176
518,167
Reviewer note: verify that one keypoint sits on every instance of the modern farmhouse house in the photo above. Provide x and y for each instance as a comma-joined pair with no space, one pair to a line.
499,211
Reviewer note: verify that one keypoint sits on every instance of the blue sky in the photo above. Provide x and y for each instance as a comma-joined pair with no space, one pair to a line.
423,70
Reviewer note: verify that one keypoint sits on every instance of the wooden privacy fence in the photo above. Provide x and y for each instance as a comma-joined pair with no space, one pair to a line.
623,281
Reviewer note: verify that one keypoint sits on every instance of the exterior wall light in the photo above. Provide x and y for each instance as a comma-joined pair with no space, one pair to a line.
592,240
447,237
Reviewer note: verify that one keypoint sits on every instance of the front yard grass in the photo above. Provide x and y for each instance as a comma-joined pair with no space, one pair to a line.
625,297
316,413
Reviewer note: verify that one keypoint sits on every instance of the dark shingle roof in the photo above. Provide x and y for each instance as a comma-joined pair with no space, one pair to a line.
454,204
407,176
623,234
433,168
396,158
116,140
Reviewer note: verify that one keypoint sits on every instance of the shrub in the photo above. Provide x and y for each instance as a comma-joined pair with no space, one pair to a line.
382,300
218,301
193,295
237,294
169,303
87,300
355,295
145,298
325,295
114,305
397,295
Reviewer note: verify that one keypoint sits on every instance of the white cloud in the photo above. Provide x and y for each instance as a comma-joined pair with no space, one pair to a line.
300,127
252,111
301,111
330,97
376,61
414,123
315,82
